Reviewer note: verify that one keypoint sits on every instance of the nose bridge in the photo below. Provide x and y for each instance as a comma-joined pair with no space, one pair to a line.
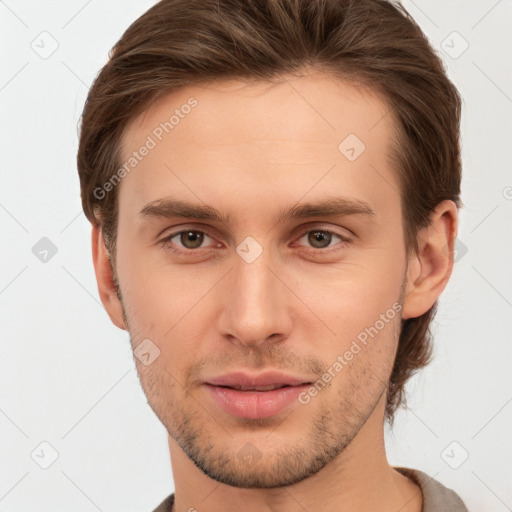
254,307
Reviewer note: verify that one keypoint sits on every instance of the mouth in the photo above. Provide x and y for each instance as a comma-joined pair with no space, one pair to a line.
261,382
255,396
270,387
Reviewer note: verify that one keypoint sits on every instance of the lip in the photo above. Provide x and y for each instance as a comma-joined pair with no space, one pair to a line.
241,379
254,404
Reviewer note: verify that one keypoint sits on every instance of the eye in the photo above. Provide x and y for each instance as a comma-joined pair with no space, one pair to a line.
186,239
322,238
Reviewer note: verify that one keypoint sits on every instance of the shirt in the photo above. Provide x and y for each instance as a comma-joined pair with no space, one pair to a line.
436,497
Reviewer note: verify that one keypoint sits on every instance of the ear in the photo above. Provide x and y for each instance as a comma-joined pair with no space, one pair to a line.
430,269
105,280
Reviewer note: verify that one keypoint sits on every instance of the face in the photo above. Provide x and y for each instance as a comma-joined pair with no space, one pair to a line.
260,244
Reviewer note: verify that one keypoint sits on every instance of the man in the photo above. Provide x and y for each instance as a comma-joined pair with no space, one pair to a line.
274,190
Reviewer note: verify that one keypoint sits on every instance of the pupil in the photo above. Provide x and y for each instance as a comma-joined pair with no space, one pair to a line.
319,238
192,239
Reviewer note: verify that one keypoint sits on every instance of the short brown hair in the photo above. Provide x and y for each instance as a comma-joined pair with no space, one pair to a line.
370,42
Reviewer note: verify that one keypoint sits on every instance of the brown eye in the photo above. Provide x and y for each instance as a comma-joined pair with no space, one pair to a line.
191,239
319,239
186,239
322,239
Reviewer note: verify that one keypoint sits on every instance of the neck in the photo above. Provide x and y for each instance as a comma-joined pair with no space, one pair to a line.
360,478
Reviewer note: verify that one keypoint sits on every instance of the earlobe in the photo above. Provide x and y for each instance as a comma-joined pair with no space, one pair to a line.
430,269
104,278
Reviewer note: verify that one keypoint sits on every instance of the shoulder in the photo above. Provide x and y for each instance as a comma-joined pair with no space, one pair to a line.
436,497
166,505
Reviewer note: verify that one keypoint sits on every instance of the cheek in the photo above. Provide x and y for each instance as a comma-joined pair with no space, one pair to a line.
360,321
171,306
155,294
353,296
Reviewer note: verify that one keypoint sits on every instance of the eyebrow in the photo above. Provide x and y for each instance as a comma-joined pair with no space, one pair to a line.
342,206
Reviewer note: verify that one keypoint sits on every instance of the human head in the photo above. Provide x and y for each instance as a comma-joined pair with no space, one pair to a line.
371,43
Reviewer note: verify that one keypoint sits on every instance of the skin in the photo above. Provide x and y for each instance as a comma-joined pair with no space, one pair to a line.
252,149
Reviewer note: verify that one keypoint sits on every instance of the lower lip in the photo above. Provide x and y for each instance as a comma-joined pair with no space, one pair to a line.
255,404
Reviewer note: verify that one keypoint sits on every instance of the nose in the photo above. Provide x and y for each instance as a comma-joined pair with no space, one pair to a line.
255,303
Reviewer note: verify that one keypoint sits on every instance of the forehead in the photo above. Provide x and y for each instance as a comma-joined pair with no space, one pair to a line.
233,135
306,108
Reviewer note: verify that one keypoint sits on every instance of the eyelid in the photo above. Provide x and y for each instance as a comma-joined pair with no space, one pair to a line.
328,229
305,230
167,238
345,240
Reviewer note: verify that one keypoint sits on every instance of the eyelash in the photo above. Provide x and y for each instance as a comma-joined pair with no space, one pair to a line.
166,242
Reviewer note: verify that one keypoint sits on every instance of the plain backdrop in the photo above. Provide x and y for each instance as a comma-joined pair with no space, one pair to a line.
70,397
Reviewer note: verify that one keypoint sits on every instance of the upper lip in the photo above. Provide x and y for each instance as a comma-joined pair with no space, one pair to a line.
241,380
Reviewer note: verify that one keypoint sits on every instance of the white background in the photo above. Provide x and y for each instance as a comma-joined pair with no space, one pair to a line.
67,374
